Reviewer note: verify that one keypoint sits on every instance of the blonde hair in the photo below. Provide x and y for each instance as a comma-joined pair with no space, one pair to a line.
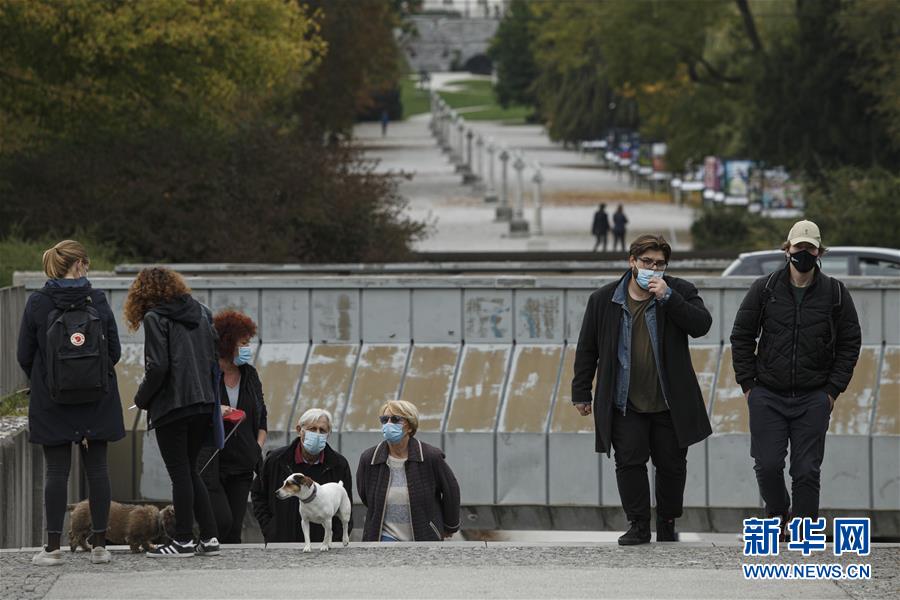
404,409
60,258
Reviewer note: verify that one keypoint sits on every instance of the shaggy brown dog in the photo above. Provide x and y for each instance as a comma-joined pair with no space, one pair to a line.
139,526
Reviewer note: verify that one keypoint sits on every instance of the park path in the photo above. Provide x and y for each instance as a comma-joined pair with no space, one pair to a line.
439,570
461,221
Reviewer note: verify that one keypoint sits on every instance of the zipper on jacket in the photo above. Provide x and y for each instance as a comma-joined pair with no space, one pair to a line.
384,508
794,346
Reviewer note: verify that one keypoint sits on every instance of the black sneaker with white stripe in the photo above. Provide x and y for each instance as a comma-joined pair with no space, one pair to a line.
208,547
172,550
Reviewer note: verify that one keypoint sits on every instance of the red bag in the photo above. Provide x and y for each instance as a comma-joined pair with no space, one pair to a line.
235,417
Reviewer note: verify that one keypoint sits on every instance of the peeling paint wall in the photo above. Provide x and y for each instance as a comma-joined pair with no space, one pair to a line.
489,364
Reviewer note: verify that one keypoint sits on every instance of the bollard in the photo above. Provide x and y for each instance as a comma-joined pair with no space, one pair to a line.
538,179
518,226
490,194
503,212
468,173
479,157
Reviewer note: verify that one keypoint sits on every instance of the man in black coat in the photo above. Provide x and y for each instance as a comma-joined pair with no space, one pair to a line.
309,454
600,227
647,402
809,341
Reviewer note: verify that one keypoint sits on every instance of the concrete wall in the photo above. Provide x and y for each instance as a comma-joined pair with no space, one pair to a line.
441,37
489,362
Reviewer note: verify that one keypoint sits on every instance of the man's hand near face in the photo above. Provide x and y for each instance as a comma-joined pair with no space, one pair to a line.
658,287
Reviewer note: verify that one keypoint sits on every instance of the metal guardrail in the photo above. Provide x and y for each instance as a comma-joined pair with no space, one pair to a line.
12,305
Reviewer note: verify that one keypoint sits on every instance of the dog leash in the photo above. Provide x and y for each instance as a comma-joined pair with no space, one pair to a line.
225,441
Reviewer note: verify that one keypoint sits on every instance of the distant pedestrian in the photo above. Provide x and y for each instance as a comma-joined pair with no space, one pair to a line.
600,227
72,401
619,223
385,118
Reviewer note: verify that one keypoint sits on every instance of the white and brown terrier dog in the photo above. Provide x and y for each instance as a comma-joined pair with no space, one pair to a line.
319,504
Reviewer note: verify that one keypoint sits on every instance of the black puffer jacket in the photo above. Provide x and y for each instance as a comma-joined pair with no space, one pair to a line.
180,355
50,423
810,346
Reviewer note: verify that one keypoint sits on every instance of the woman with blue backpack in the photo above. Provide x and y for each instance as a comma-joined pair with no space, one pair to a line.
68,345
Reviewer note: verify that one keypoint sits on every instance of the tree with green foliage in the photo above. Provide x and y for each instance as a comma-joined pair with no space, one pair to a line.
806,110
856,206
204,118
512,55
362,63
81,69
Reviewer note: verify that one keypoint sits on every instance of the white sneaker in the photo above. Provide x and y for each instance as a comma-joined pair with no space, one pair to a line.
100,555
47,559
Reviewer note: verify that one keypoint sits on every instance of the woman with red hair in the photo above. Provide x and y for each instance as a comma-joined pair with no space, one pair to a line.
229,475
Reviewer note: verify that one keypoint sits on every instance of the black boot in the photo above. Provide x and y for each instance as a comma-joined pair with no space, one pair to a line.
665,530
639,533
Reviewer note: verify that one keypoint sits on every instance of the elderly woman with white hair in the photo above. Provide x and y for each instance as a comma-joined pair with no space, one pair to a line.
409,490
311,455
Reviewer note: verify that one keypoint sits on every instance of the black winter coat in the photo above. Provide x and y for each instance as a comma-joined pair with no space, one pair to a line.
279,520
810,346
433,491
682,315
180,359
600,226
50,423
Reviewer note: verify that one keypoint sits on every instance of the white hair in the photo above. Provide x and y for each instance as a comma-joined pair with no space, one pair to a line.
313,415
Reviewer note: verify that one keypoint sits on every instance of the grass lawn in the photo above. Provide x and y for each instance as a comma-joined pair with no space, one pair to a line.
478,95
17,254
473,94
14,405
414,100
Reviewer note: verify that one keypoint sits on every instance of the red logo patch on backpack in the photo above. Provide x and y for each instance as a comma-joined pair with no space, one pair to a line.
77,339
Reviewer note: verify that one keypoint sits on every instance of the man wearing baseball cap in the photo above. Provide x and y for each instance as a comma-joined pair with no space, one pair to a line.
808,343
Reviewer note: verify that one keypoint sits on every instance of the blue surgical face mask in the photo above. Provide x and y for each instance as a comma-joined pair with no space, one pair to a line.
243,356
314,442
392,432
645,275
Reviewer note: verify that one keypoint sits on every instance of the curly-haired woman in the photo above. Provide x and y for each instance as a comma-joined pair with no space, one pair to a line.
178,394
229,475
57,418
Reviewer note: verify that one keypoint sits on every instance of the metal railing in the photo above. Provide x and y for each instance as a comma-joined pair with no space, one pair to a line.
12,305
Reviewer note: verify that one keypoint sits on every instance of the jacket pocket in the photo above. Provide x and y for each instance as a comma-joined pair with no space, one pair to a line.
435,530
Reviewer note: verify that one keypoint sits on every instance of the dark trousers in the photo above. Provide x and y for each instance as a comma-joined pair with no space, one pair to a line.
57,461
637,437
618,238
775,421
228,495
601,239
179,443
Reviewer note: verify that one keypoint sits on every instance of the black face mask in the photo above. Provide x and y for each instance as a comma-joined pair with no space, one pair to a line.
803,261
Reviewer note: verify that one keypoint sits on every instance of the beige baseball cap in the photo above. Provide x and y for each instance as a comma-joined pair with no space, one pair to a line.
805,231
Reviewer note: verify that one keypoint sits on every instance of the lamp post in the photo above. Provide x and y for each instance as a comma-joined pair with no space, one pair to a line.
490,194
518,226
503,212
538,179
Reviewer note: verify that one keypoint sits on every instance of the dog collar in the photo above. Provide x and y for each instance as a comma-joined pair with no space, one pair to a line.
311,497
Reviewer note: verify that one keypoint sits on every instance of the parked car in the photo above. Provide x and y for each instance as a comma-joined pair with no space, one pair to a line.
840,260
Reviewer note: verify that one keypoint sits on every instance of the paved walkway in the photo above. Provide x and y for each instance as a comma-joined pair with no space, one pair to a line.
573,187
435,570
